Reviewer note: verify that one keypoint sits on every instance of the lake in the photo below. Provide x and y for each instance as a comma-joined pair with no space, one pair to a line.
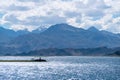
61,68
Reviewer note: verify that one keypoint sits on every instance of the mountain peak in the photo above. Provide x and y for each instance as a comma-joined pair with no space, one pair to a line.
62,27
92,28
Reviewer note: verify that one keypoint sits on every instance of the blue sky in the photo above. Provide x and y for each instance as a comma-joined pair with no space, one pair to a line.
30,14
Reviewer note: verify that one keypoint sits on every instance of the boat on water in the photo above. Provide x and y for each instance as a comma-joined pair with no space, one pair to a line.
39,60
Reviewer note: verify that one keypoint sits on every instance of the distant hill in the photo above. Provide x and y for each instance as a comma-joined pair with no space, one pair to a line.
101,51
61,36
7,34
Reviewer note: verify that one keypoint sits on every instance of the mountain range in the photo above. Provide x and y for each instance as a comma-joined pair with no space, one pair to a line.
60,36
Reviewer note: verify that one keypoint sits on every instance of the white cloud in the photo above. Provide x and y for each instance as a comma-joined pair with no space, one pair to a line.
30,14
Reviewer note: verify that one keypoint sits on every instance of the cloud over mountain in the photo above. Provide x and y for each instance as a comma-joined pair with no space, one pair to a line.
30,14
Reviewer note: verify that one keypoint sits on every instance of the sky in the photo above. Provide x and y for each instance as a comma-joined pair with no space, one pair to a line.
31,14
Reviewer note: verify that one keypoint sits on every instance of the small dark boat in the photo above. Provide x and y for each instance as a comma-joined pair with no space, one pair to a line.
39,60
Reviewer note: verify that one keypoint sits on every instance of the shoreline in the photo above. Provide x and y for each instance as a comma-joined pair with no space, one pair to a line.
22,61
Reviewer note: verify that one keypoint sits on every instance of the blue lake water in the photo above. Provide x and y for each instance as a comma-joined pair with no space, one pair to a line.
62,68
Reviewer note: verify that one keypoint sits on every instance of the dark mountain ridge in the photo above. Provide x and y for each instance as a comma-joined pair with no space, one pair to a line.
101,51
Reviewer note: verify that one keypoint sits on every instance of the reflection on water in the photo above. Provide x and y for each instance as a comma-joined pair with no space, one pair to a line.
62,68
